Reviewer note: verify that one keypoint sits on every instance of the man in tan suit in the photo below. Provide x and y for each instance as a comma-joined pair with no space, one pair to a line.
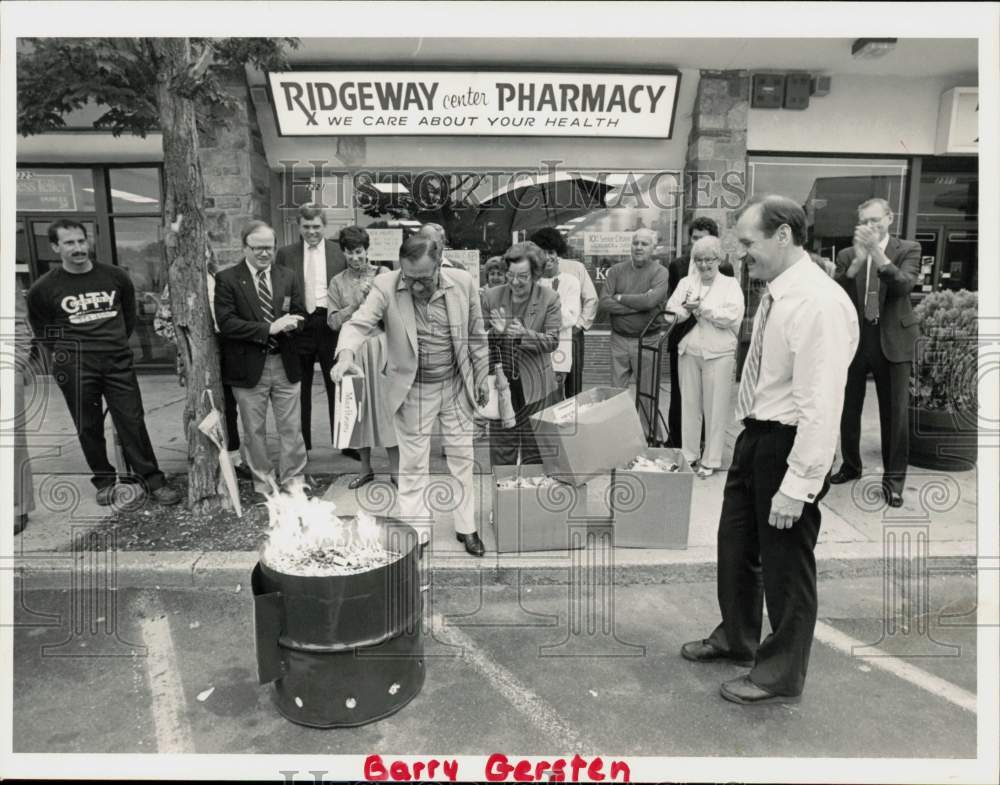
437,361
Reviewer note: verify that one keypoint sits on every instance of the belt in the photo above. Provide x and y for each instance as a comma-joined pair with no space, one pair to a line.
766,425
276,350
871,322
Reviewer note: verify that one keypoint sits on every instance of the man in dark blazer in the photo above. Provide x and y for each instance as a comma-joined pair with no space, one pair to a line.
314,260
258,306
676,270
878,274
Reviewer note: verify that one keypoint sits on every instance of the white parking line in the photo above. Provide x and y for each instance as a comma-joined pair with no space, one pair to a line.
918,677
521,697
163,675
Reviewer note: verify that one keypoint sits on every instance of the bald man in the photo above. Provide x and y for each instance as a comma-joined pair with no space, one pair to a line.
633,294
436,232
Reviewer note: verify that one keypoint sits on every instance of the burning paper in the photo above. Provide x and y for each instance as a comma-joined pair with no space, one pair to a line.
306,537
643,464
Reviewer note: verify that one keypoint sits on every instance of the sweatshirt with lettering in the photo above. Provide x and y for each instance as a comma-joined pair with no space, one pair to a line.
88,312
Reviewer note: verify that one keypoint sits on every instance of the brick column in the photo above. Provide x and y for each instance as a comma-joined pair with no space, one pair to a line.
237,178
716,165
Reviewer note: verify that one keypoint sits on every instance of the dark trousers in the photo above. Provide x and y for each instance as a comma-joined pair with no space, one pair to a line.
86,377
315,342
892,387
505,442
232,430
573,383
758,562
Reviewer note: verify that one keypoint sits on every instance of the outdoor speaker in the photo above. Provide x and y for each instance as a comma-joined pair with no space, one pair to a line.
820,86
797,91
768,91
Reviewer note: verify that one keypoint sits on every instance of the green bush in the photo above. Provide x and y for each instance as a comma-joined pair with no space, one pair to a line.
945,368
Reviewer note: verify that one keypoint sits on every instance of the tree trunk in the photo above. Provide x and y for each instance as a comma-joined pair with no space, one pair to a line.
187,252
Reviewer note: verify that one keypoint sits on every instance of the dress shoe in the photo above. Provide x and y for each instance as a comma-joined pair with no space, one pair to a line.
166,495
843,475
704,651
704,472
360,480
243,472
893,498
106,495
20,521
473,545
351,453
744,691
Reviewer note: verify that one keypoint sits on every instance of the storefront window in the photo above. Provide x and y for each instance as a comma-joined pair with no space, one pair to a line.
44,190
22,262
139,250
135,190
485,212
830,190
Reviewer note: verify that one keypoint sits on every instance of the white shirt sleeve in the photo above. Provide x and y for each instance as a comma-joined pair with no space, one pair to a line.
821,354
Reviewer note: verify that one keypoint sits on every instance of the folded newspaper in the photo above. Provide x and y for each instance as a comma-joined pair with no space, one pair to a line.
350,397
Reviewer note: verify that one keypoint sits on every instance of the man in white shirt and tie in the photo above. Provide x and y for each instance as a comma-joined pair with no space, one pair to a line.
314,260
878,273
790,397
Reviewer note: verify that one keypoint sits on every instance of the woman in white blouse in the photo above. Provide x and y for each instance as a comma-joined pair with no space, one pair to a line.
707,353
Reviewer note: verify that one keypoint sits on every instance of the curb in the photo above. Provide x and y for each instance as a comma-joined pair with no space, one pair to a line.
231,569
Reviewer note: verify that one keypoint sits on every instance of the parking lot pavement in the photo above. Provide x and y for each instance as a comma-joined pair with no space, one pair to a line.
141,670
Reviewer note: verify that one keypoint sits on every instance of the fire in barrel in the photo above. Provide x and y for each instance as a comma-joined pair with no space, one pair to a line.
337,613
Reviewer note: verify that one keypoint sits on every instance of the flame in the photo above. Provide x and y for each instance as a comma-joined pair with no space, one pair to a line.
303,531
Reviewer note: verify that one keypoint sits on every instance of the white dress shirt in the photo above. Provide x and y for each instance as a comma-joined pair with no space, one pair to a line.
810,338
868,266
567,287
314,276
588,294
267,277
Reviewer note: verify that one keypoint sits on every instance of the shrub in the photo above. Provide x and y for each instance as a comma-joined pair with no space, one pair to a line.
945,370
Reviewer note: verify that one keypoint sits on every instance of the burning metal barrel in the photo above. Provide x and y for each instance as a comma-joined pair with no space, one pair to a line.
337,616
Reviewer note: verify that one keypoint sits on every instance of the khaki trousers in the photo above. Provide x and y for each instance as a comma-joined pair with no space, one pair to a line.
426,404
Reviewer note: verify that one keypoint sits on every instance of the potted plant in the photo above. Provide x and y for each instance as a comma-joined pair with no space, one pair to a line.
943,394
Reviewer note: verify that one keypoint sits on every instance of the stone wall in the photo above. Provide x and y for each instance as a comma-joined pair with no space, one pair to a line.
716,165
236,174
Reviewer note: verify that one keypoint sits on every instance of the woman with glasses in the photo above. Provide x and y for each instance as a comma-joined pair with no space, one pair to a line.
524,320
707,354
346,294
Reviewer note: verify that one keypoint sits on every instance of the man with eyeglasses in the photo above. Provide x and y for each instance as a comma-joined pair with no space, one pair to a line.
437,361
258,306
878,273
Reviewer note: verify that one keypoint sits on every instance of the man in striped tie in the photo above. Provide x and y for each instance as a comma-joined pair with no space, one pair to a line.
258,306
790,398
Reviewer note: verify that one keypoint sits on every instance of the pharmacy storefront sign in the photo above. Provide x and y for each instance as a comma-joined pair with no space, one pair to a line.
477,103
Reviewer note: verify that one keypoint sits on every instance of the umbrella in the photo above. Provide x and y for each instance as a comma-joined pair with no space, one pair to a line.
213,428
533,202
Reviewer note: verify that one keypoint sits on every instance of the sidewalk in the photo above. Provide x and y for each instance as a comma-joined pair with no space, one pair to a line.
940,507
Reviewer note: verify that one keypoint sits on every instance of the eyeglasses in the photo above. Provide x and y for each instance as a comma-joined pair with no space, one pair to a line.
260,250
519,277
423,280
703,261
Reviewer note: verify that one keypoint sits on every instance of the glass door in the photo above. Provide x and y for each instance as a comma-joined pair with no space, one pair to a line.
959,259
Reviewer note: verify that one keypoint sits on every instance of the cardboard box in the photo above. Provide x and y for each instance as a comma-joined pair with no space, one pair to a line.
588,434
537,519
652,509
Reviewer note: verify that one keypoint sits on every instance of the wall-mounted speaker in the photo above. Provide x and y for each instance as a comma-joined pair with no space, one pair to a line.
797,91
768,91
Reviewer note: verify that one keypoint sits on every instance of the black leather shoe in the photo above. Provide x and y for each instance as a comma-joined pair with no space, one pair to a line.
894,499
842,476
703,651
473,545
744,691
351,453
361,480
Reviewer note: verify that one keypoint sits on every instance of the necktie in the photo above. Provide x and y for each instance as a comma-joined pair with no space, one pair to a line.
309,276
871,293
751,371
555,284
264,295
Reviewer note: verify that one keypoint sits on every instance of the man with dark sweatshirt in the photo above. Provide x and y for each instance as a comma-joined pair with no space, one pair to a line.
633,293
83,313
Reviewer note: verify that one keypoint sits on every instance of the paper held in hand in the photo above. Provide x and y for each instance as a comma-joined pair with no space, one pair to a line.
350,398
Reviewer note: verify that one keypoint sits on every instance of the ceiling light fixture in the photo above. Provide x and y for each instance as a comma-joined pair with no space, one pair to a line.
870,48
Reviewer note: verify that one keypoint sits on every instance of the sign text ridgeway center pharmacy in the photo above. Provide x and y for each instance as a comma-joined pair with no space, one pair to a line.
482,103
